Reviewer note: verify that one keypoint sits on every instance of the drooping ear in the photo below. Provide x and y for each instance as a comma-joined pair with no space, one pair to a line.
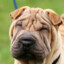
62,18
15,14
53,16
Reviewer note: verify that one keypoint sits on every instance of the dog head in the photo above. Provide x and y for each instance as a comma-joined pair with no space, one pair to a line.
33,33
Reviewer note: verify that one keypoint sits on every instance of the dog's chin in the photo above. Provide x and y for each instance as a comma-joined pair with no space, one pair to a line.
28,57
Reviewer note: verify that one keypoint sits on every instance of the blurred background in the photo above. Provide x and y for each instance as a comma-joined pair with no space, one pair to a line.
6,6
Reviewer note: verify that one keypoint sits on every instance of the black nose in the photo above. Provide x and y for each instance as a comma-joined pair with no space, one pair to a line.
27,40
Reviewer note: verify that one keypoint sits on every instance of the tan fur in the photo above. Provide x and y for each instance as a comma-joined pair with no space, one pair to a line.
56,46
61,30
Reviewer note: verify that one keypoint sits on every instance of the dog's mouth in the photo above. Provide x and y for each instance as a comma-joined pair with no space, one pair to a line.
28,55
27,48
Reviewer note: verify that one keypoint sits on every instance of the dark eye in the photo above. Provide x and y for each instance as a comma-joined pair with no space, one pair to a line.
18,25
44,29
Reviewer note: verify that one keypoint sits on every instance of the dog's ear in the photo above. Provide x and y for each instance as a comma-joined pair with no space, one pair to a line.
62,18
15,14
54,17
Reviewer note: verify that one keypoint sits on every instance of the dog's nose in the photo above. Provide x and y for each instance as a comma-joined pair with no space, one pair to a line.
27,40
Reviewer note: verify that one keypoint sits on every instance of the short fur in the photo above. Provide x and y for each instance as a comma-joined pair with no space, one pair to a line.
36,18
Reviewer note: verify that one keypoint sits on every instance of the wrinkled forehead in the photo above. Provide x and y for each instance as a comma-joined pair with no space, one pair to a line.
33,19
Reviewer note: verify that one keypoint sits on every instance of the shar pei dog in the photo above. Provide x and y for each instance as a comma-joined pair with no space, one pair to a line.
35,36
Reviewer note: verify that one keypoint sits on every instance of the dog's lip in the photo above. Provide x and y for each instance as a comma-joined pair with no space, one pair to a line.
28,55
32,57
25,56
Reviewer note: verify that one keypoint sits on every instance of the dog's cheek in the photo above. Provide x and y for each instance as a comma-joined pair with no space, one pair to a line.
45,33
16,31
54,36
11,31
46,37
43,44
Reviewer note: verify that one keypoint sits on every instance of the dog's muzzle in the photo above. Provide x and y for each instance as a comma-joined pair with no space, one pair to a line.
28,47
27,41
23,47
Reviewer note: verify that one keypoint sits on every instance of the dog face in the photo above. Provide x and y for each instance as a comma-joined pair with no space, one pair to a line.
32,33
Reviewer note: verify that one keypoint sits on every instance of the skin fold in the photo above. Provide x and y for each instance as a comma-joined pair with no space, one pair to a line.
40,29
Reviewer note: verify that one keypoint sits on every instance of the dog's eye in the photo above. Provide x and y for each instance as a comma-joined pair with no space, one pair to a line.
44,29
18,25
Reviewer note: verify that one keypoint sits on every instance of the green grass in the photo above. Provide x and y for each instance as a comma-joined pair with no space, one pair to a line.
6,6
